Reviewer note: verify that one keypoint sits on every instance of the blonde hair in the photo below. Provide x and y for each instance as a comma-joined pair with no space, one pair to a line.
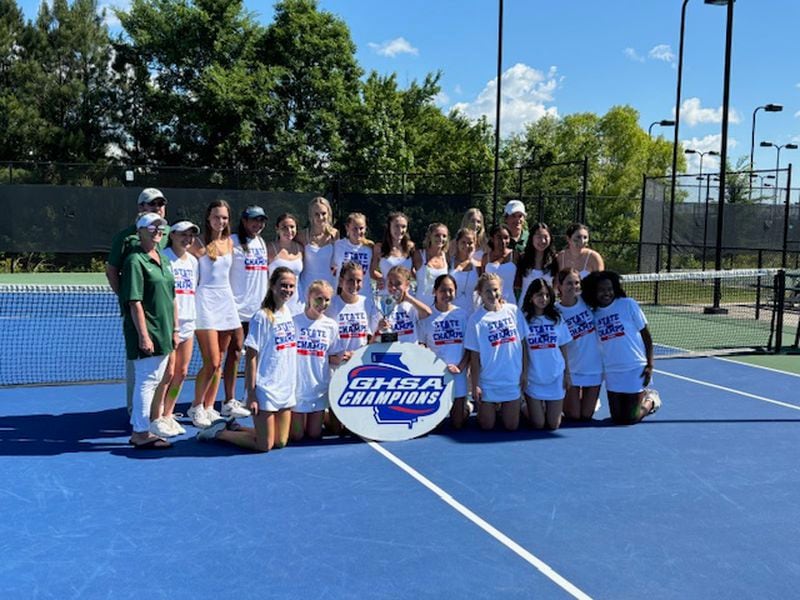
429,236
329,228
318,284
486,278
480,233
401,271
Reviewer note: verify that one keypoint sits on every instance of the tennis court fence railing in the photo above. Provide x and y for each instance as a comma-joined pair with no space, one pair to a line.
53,334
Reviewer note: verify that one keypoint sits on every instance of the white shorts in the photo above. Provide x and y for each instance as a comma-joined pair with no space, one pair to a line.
270,405
626,382
311,405
550,391
586,379
186,328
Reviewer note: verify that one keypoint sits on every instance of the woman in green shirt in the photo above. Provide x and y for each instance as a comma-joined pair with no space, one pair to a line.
150,322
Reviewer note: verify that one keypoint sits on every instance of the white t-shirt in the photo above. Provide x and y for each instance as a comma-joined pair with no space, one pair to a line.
618,326
527,280
344,251
184,270
276,366
583,352
249,276
356,321
543,340
404,320
316,340
443,333
495,336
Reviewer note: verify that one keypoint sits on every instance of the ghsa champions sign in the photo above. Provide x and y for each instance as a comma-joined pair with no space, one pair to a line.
390,392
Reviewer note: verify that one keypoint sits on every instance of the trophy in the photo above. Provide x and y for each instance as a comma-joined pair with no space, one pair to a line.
386,303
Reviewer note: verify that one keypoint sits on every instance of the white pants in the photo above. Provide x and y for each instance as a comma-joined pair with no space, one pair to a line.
148,373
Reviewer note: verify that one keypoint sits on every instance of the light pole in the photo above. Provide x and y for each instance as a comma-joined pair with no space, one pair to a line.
723,161
765,108
661,123
702,154
497,109
675,138
778,147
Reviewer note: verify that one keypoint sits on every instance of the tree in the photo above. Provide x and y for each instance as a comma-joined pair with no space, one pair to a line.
69,86
195,93
316,87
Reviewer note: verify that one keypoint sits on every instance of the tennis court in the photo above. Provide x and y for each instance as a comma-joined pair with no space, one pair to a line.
697,501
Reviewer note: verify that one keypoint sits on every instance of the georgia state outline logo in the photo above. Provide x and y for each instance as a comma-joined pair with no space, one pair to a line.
392,395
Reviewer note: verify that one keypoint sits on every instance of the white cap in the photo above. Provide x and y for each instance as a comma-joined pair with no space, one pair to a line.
182,226
150,194
148,219
515,206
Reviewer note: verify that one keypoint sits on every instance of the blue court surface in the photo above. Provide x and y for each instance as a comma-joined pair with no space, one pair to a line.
699,501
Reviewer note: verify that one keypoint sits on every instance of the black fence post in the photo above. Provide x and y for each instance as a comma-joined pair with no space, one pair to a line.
641,224
780,296
584,189
786,215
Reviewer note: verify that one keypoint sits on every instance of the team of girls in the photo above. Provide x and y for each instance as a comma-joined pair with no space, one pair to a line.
221,277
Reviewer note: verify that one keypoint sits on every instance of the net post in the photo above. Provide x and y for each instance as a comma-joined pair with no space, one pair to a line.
780,297
786,215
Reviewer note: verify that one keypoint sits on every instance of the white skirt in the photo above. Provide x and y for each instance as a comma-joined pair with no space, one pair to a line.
216,309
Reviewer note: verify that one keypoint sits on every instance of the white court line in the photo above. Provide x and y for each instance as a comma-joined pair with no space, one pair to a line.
755,366
540,565
727,389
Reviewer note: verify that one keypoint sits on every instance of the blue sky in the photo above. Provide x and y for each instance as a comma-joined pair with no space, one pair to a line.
567,57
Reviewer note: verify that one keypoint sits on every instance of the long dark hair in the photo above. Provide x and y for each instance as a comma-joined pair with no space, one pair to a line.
406,245
528,260
269,305
592,280
241,230
226,233
550,311
494,230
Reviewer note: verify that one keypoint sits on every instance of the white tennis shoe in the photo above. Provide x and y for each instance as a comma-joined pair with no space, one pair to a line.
234,408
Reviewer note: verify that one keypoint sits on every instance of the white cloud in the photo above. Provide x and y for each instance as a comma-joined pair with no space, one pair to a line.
662,52
394,47
797,114
692,113
633,55
705,144
457,90
526,92
441,99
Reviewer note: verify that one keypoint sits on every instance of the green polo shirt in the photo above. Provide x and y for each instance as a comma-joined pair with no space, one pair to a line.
123,244
519,245
143,279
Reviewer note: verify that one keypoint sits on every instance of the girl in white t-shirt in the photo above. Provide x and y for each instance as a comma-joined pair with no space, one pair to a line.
407,312
537,260
545,366
501,260
356,317
443,333
464,269
396,249
249,281
626,347
317,348
354,248
270,372
184,269
583,353
493,340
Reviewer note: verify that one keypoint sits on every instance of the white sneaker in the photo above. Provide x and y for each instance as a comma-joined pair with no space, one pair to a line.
199,417
213,415
654,397
162,428
176,427
210,432
234,408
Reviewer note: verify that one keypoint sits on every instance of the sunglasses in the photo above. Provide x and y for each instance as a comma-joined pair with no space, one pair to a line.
154,229
159,203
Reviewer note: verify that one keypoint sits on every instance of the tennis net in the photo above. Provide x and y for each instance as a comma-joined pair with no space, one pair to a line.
715,312
73,333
